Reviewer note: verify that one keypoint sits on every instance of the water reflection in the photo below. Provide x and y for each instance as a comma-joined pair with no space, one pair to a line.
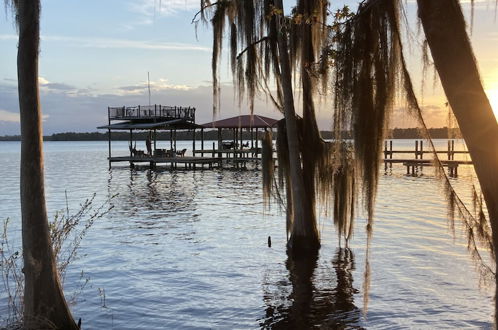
315,295
153,191
154,203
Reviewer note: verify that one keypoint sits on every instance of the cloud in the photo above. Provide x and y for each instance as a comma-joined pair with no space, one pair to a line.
8,37
60,87
124,43
155,86
156,8
47,86
146,12
12,117
42,81
82,110
88,42
111,43
434,116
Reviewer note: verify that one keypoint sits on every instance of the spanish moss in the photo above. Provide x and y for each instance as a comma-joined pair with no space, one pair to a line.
364,51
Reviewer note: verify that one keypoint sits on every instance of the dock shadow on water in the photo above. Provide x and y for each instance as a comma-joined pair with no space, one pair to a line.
315,294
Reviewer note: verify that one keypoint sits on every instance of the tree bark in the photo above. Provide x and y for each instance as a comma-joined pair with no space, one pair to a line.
444,27
310,134
303,238
44,303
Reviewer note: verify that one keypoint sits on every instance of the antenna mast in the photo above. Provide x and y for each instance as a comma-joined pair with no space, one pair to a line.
148,84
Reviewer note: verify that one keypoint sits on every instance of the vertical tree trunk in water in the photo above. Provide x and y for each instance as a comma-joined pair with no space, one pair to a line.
44,303
311,137
444,27
303,237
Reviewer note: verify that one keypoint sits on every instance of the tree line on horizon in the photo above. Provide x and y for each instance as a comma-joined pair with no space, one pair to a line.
212,135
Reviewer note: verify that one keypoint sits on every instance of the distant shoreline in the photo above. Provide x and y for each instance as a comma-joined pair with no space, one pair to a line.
397,133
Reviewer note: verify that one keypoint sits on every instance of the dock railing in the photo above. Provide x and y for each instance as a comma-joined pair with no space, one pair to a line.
155,111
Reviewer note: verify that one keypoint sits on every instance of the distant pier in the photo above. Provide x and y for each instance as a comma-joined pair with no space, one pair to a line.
414,165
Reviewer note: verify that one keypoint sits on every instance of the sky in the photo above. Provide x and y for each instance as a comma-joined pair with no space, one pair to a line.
97,53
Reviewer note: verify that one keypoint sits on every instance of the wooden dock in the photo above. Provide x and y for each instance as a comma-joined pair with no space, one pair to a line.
187,162
413,165
210,158
235,152
241,158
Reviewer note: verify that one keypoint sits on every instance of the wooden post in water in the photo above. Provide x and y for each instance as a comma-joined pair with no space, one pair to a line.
235,135
202,139
415,167
219,143
252,138
391,153
109,133
193,143
385,156
453,149
131,142
175,139
449,150
234,131
421,153
155,142
131,147
171,139
257,141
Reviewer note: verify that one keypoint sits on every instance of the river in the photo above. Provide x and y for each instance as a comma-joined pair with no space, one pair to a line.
188,249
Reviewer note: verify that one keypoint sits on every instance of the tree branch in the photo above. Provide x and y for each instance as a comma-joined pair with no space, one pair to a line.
251,45
202,9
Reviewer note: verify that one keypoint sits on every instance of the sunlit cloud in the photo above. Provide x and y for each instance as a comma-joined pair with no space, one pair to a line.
155,87
55,87
8,116
42,81
14,117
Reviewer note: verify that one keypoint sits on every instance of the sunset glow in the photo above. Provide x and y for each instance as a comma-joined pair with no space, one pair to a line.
493,99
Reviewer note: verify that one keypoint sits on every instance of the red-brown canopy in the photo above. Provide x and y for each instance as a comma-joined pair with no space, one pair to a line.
244,121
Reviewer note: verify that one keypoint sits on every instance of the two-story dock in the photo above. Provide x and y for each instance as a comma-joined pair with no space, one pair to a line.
154,119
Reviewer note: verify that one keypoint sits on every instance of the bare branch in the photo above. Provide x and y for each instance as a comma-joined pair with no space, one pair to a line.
252,45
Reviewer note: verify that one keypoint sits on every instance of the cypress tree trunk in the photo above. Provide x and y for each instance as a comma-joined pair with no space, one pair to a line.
304,237
310,136
44,303
444,27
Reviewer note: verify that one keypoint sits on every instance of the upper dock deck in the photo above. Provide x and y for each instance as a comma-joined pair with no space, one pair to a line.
154,112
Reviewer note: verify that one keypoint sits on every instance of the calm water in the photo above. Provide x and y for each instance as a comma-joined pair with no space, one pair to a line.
189,249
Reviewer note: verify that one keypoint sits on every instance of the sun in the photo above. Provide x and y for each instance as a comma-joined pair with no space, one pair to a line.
493,99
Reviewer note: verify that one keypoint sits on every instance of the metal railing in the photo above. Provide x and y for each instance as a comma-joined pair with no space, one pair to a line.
155,111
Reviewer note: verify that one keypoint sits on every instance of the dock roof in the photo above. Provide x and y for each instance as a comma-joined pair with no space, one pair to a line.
243,121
